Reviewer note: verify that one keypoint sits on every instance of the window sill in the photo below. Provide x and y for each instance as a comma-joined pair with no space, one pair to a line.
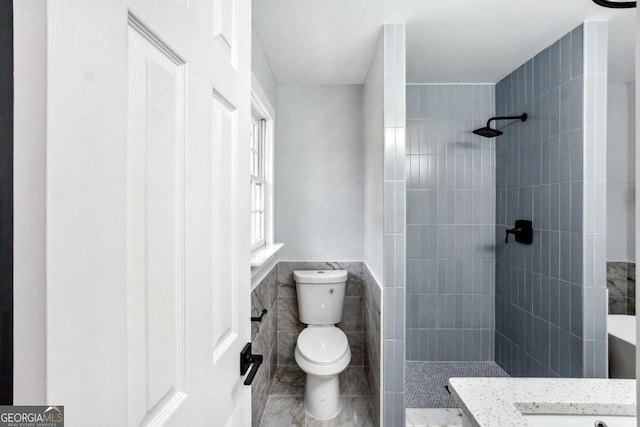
264,254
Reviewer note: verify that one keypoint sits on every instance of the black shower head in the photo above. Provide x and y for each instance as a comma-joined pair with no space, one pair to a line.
489,132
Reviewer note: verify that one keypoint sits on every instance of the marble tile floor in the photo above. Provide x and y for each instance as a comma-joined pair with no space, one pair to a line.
433,417
285,405
425,381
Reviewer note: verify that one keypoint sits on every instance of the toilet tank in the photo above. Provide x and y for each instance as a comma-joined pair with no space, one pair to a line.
320,295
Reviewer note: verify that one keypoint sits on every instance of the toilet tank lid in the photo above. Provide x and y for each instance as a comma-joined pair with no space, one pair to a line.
320,276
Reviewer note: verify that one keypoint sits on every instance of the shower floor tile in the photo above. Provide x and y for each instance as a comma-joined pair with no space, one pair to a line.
425,381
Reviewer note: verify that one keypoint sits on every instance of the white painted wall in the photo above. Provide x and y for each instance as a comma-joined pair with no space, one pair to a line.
29,274
262,69
621,172
319,180
373,133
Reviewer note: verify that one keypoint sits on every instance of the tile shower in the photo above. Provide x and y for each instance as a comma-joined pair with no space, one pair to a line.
475,305
278,391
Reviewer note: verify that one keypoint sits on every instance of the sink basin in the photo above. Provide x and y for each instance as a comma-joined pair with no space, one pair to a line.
570,420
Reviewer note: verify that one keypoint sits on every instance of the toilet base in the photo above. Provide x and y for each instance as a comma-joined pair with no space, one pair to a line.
322,396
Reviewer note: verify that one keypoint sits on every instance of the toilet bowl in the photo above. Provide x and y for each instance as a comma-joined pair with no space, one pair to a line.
322,350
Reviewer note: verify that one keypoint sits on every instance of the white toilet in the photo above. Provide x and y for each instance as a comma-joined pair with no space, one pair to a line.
322,350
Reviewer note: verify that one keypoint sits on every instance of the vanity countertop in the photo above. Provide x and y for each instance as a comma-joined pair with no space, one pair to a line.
488,402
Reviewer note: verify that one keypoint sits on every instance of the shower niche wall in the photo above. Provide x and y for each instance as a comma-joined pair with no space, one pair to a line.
477,306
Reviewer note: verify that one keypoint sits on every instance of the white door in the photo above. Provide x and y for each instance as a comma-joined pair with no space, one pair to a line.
148,285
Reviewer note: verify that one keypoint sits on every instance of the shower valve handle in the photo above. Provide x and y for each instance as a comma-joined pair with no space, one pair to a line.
522,231
514,231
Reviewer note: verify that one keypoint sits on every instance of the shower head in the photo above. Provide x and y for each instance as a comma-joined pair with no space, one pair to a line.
489,132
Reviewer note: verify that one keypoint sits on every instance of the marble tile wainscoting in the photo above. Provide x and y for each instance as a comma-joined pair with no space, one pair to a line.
264,339
371,307
621,284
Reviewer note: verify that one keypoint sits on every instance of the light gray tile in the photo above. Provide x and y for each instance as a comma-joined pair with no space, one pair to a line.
288,380
259,396
554,253
389,365
356,343
413,206
565,206
388,408
389,39
284,411
577,99
356,411
565,58
358,384
286,347
343,379
400,313
400,151
413,102
352,317
390,207
288,315
398,409
565,256
413,343
577,53
389,310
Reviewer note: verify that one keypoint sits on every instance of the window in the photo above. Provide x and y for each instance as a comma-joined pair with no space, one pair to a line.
259,178
261,163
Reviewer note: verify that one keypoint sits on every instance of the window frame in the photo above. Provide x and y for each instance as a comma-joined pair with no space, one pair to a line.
262,115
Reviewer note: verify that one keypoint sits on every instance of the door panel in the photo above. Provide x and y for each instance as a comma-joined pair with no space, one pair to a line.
155,232
225,298
148,210
225,28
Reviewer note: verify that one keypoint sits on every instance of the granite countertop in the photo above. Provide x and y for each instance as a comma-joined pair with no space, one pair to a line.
488,402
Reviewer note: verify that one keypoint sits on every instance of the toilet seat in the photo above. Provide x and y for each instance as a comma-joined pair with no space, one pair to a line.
322,346
322,351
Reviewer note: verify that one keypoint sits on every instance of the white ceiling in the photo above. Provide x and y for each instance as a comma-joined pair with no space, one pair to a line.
448,41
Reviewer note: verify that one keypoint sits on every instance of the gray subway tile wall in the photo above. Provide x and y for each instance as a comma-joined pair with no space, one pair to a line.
393,329
451,204
547,295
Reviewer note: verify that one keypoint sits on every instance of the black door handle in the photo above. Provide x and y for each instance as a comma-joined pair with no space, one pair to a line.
248,359
257,361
